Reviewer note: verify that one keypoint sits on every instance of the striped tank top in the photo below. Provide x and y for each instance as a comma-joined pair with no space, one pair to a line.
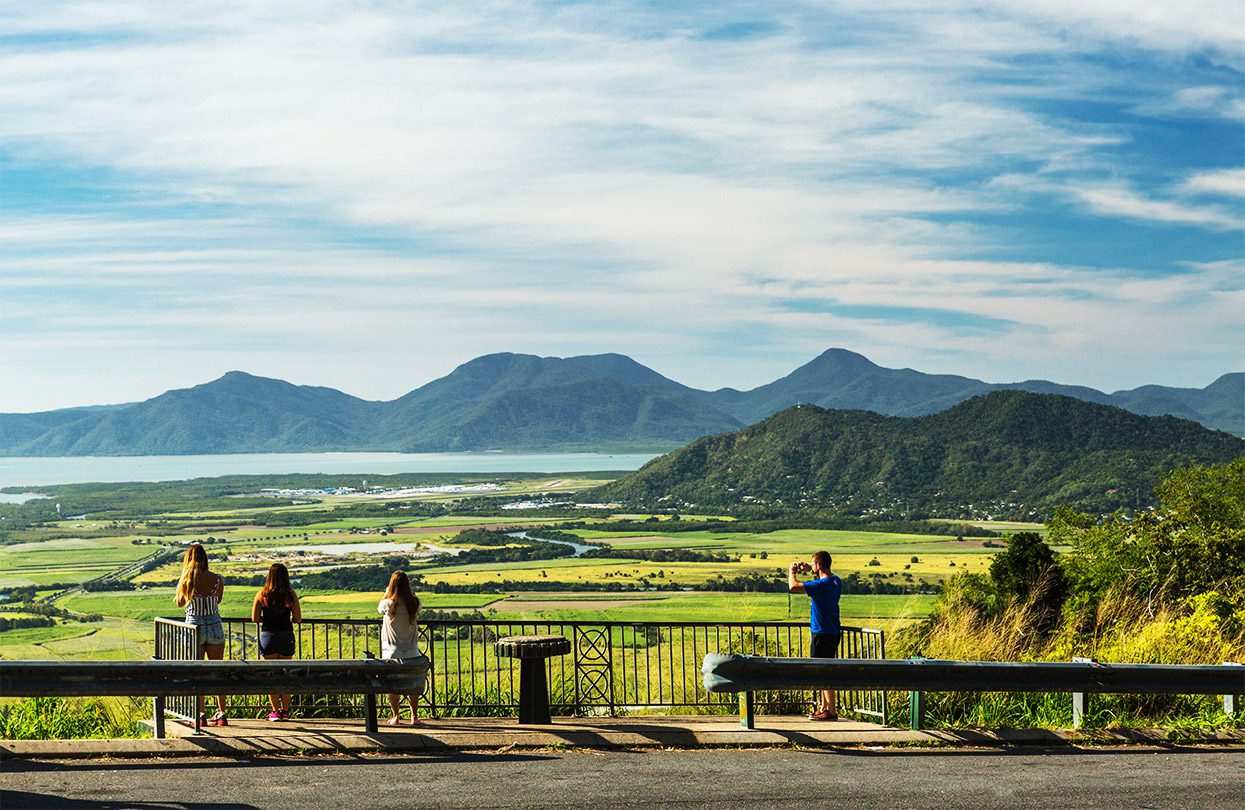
203,606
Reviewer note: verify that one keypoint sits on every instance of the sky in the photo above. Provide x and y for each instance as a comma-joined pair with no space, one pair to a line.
365,195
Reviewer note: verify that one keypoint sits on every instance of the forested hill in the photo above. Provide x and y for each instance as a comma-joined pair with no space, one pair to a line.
1006,454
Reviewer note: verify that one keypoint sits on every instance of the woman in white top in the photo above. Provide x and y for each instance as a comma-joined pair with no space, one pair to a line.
399,635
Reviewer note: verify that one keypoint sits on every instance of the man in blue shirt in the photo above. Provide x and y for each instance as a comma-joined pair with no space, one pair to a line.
823,619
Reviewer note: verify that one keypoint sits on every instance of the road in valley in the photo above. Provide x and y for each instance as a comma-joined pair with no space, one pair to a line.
849,778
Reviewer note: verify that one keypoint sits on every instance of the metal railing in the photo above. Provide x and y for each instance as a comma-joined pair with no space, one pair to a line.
176,641
614,667
160,679
747,674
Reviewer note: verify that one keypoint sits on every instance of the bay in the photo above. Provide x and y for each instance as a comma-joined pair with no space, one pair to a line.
33,472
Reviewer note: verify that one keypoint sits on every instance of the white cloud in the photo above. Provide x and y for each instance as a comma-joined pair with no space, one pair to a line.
1227,183
575,180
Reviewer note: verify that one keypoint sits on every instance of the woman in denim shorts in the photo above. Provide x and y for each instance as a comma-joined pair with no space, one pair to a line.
199,591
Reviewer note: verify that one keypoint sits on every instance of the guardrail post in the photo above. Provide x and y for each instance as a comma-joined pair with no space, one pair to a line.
369,713
916,702
157,717
1080,700
747,709
369,704
1232,700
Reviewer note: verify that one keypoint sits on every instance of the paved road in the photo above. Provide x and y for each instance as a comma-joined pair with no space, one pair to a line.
850,778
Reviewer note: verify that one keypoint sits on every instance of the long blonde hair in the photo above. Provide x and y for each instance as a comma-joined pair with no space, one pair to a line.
193,564
400,588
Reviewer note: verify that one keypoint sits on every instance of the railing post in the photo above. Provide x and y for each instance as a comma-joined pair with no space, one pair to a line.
1080,700
747,709
1232,700
916,702
369,713
157,717
369,704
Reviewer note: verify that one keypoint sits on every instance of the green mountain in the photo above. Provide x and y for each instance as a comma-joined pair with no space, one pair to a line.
840,379
522,402
238,413
1005,454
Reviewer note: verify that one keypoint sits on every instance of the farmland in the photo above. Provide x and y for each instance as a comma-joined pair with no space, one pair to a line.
336,533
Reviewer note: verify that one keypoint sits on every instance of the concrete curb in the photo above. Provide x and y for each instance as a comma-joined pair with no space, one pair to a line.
431,740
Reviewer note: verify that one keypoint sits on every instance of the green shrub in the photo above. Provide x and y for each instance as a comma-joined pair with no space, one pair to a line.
46,718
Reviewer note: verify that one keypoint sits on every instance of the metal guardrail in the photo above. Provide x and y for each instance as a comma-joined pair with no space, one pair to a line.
189,678
151,678
747,673
614,667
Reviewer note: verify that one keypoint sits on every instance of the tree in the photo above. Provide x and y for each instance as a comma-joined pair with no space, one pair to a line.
1029,573
1194,544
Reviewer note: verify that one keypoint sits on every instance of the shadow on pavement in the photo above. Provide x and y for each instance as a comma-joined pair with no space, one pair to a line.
22,800
260,761
1016,750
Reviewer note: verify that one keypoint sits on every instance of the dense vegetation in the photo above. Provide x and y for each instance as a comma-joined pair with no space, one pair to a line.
1008,454
674,525
522,402
1167,586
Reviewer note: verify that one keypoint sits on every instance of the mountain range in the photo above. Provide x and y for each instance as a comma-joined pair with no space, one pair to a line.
520,402
1011,454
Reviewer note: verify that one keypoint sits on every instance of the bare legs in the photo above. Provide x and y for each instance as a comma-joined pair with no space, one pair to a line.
279,703
395,708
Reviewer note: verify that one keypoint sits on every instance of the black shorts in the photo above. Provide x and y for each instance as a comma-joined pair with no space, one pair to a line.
824,645
276,642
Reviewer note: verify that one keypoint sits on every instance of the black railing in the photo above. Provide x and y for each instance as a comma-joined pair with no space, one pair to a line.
613,667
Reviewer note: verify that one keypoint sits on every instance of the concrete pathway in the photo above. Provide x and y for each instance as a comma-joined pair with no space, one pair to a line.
303,736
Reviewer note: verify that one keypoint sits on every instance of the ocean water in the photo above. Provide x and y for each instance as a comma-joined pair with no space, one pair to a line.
33,472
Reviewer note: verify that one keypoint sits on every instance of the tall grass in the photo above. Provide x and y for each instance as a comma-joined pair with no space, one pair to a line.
46,718
1119,629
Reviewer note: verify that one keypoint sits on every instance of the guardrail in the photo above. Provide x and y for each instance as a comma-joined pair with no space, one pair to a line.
162,678
613,668
746,674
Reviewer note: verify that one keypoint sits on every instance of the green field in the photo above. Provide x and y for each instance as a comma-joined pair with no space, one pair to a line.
72,560
76,551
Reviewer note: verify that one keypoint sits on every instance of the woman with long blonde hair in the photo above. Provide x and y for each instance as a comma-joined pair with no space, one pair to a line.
199,591
399,635
276,610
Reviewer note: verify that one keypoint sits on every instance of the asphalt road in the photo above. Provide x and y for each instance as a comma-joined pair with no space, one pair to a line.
831,778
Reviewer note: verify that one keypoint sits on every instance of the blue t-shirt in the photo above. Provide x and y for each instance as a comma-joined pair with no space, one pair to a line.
823,604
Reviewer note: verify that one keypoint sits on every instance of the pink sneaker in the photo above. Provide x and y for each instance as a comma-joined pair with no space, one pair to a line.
274,715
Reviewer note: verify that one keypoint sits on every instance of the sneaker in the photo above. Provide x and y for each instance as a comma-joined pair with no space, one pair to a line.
285,715
274,716
218,719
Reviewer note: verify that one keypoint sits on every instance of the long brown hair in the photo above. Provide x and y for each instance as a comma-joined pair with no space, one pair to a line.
400,588
277,589
193,564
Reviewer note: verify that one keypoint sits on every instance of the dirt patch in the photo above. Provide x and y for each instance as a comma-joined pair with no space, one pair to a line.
962,543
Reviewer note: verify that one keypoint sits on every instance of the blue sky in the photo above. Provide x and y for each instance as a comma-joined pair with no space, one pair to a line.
365,195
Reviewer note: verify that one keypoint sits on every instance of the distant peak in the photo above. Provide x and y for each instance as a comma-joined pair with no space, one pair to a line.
845,356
